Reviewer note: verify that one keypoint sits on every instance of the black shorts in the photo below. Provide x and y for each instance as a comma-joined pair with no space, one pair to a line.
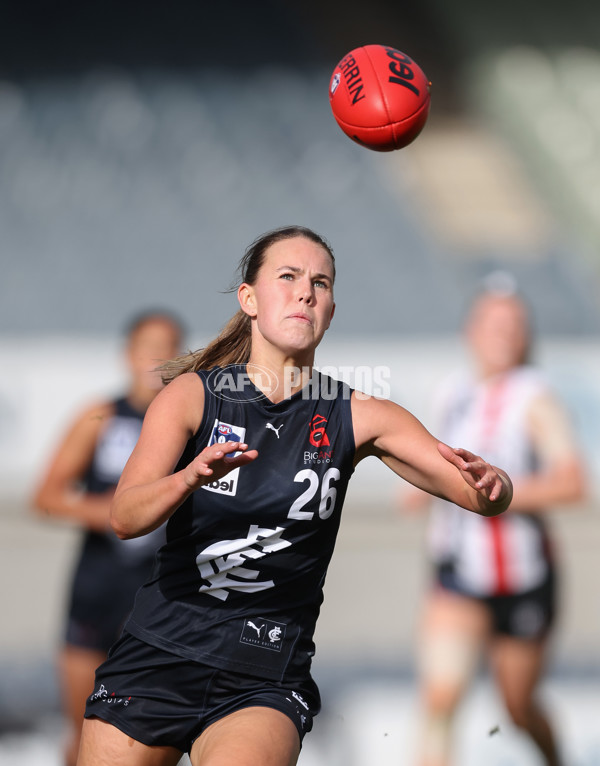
102,596
528,615
159,698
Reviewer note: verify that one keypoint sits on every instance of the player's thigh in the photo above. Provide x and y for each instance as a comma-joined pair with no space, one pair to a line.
77,669
102,744
518,665
253,736
453,631
449,611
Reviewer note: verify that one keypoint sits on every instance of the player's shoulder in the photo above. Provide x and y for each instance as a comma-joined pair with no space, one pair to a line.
531,381
90,421
182,400
373,416
187,381
98,411
363,402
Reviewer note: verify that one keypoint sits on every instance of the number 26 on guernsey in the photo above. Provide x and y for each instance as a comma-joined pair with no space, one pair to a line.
328,494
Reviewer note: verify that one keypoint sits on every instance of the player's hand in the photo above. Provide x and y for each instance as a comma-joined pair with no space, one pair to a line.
216,461
478,474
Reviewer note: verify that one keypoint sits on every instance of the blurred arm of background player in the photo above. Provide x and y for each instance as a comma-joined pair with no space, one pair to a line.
60,494
561,478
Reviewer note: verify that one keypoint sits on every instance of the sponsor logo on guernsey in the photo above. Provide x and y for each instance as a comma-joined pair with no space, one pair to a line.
318,439
263,633
221,433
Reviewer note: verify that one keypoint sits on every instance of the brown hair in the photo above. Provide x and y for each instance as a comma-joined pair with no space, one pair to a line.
148,316
233,344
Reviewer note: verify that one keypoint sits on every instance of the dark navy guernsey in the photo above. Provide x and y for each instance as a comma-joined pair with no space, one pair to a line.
114,446
109,571
239,583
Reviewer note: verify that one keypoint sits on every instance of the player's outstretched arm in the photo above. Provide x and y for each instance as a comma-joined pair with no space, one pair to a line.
560,478
59,493
389,432
149,492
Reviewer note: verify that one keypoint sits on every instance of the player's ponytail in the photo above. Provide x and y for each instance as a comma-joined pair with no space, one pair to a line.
231,346
234,343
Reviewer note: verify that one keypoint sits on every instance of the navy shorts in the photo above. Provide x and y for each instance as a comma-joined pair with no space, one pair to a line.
528,615
159,698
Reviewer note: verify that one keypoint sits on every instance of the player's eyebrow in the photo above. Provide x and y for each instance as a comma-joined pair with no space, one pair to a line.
298,270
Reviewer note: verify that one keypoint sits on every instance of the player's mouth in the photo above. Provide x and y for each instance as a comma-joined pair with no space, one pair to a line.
301,317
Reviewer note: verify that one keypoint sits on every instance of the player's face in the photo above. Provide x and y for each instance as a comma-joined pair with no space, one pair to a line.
153,343
498,332
292,298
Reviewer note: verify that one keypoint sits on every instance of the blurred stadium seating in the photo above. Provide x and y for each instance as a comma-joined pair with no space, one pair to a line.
548,103
136,165
119,190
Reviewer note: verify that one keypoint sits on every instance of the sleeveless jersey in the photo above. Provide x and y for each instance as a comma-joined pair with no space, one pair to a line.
239,583
114,446
509,553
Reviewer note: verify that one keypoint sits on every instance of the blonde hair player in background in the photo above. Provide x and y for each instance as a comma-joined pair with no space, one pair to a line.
78,487
495,580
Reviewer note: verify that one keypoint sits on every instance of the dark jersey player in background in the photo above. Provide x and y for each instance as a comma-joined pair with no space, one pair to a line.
78,486
247,453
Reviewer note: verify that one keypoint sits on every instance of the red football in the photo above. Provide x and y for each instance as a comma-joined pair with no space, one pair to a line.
379,97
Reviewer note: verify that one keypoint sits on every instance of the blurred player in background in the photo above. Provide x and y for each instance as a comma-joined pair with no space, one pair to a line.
78,486
495,578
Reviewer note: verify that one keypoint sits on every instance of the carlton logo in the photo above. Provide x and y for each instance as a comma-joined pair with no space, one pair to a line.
318,437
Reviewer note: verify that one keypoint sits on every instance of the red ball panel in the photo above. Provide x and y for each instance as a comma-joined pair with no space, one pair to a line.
379,97
387,138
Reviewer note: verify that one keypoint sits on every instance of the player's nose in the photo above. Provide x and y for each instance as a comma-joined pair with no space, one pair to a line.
305,292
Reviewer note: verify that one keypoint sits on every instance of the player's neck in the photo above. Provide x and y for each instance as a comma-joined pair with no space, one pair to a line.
140,396
288,373
491,373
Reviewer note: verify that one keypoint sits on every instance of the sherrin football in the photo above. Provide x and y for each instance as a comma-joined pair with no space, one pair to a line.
379,97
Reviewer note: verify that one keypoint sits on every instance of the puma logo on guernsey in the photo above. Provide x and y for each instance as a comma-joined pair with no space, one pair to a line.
250,624
277,430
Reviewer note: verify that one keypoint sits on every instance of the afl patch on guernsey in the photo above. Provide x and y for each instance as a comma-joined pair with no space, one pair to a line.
221,433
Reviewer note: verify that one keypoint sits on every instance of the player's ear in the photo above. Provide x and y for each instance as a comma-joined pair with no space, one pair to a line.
247,299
